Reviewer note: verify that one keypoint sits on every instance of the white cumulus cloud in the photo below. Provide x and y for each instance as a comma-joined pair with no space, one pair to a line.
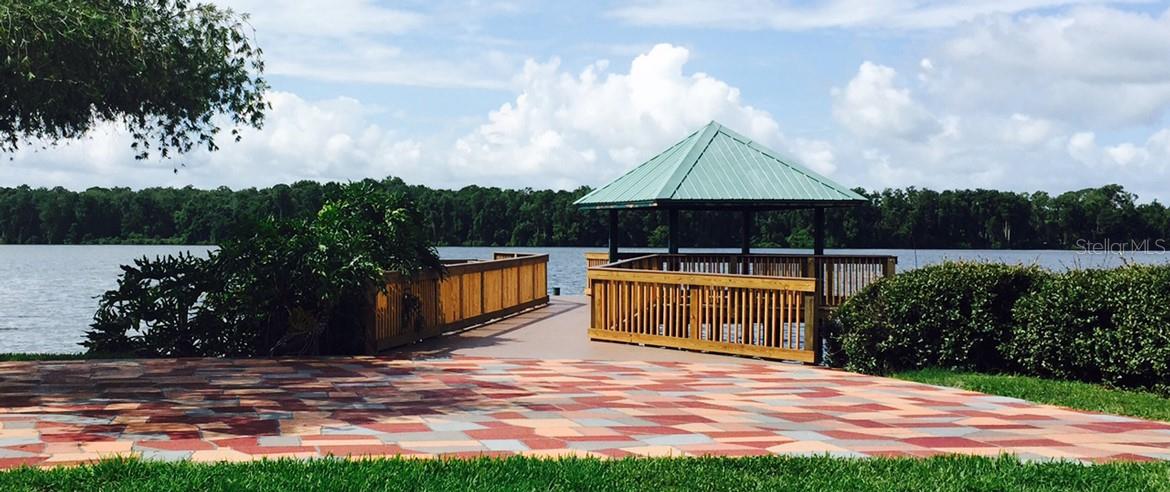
561,130
1090,66
897,136
362,41
565,129
872,105
332,139
786,15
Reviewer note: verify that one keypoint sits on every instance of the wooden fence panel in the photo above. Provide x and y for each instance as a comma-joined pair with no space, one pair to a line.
511,286
841,276
450,293
541,276
759,305
527,283
471,292
493,296
733,314
470,295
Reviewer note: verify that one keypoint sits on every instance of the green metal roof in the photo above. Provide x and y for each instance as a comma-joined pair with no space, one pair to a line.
716,167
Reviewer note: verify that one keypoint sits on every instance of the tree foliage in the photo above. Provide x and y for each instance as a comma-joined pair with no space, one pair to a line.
479,216
288,286
163,68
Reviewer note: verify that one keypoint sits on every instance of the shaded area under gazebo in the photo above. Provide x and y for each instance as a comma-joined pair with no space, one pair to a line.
763,305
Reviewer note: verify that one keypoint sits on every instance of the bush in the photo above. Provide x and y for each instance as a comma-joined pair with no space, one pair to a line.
1052,324
953,315
286,287
1110,326
1098,326
160,308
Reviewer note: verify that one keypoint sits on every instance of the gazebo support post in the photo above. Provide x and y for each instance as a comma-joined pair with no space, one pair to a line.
819,231
746,241
613,238
672,231
819,274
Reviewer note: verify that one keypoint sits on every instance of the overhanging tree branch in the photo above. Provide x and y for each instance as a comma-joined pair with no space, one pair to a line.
165,69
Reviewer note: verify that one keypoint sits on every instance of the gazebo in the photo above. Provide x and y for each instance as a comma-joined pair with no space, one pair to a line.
715,168
747,304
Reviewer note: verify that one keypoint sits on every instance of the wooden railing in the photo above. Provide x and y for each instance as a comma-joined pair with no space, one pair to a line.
759,305
841,275
597,259
470,292
733,314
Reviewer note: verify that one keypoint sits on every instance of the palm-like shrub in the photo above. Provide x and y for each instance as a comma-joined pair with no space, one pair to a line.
283,287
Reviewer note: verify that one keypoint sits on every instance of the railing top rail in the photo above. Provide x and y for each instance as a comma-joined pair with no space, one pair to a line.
799,284
774,255
626,261
482,265
526,259
625,256
624,264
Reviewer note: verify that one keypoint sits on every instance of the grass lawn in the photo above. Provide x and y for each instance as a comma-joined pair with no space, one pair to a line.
23,357
1084,396
819,474
29,356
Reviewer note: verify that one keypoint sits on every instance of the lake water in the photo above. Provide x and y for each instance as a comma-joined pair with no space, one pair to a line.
48,294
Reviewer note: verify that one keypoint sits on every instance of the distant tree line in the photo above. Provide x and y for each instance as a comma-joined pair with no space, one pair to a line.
479,216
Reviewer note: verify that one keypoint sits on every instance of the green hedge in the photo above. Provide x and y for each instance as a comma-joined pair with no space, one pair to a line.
953,315
1108,326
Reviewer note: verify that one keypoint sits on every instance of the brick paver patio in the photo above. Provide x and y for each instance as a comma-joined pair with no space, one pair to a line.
210,410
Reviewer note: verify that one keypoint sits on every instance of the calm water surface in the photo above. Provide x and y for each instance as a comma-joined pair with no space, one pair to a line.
48,294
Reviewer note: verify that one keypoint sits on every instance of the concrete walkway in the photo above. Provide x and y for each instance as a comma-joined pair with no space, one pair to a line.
529,385
212,409
556,331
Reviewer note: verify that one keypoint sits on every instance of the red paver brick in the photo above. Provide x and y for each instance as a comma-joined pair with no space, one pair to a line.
339,437
263,450
851,436
176,445
1026,443
513,432
946,442
18,462
359,450
397,428
543,443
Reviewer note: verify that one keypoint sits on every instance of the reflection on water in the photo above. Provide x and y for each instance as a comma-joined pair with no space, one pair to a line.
48,294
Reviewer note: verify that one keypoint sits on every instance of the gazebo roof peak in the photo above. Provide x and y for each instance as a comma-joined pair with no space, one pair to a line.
717,167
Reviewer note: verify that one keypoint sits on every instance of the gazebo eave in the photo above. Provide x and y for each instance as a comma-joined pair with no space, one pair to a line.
759,205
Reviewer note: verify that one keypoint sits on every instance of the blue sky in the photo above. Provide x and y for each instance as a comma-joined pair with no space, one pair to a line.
1022,95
